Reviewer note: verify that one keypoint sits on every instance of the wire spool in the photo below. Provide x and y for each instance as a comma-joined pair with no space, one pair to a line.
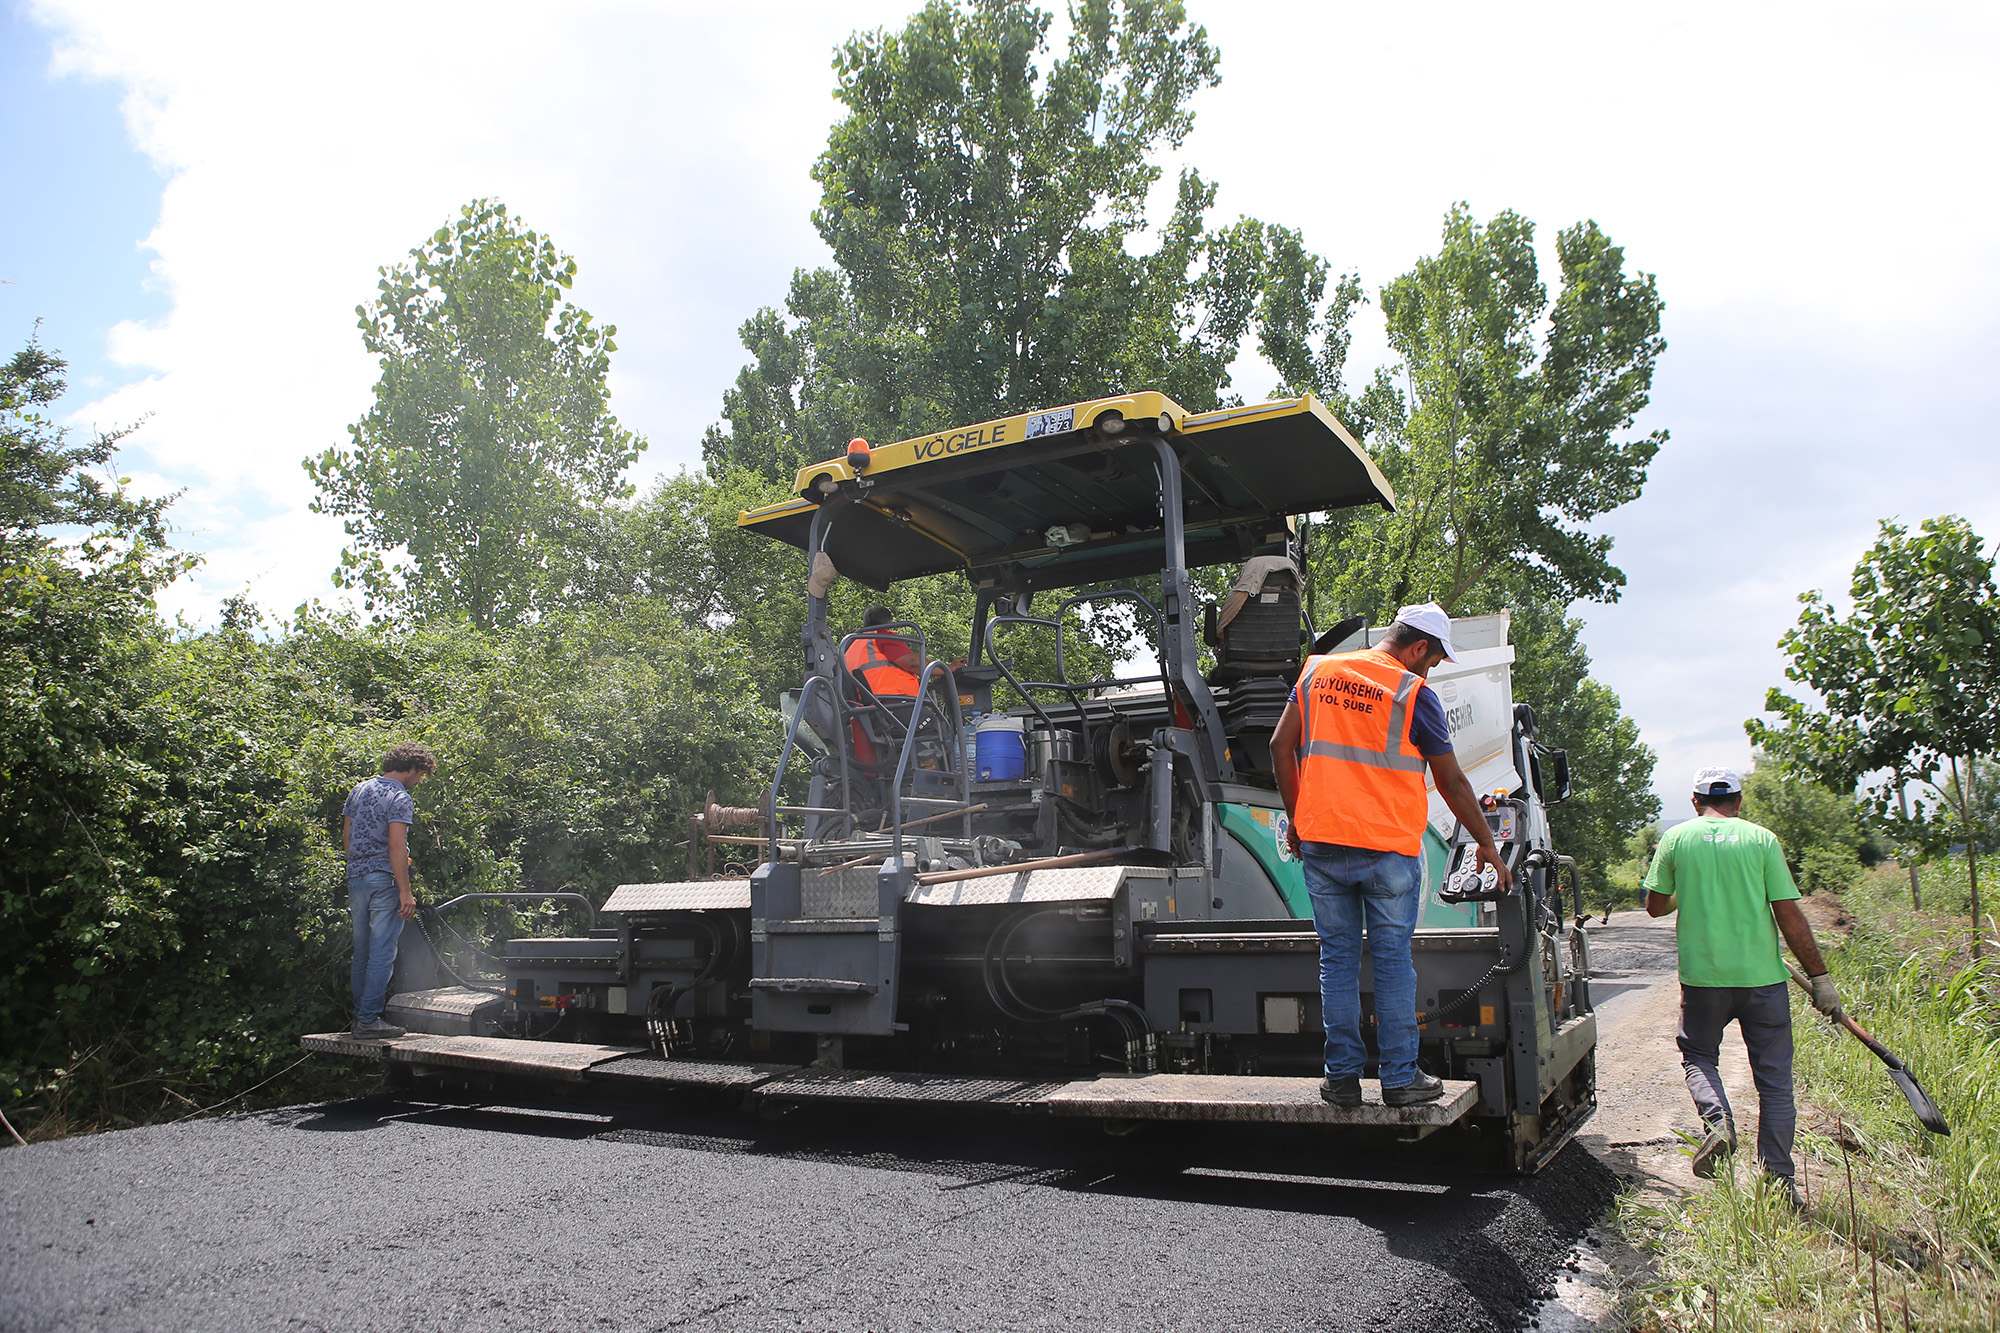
715,816
1116,757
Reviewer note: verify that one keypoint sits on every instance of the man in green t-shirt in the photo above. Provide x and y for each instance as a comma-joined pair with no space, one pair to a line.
1728,880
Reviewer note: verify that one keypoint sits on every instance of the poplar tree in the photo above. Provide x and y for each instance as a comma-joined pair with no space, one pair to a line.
478,480
985,202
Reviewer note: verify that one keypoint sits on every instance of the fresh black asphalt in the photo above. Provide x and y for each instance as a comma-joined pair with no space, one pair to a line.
385,1214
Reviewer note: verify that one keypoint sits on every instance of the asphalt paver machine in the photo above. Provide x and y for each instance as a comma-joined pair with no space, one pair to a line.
1065,889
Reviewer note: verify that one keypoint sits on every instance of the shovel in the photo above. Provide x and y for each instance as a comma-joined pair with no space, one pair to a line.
1920,1101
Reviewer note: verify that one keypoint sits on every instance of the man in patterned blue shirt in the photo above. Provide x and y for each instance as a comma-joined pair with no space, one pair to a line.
376,834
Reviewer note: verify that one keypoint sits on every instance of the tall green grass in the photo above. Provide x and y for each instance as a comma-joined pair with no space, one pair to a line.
1924,1223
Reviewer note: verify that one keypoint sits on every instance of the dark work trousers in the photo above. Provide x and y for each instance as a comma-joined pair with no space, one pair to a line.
1764,1016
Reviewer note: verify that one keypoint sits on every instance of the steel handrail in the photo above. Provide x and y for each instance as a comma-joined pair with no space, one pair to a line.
1074,690
791,744
956,737
589,908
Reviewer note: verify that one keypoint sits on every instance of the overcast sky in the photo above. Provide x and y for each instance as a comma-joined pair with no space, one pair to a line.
199,196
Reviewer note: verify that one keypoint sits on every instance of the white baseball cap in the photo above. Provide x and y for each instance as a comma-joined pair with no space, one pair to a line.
1431,619
1716,782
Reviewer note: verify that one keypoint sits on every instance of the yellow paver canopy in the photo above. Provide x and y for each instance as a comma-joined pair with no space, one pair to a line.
1070,495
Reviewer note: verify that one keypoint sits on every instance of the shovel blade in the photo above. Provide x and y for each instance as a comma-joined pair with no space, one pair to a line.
1920,1102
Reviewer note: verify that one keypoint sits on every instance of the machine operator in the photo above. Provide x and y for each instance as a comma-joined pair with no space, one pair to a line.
1350,751
887,665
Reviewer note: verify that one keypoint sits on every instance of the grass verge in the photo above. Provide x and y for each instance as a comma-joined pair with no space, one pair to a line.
1915,1241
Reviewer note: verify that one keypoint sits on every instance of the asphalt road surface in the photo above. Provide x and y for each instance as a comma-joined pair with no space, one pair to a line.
386,1214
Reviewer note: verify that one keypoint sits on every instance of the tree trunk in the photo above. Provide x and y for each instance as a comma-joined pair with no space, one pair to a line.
1903,802
1972,873
1972,857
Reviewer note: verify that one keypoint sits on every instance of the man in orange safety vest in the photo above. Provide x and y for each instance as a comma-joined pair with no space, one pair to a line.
887,665
1350,752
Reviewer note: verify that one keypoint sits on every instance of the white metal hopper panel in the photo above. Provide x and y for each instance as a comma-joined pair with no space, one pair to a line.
1062,885
695,896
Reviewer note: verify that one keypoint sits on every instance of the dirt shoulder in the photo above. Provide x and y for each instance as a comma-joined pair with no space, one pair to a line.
1642,1101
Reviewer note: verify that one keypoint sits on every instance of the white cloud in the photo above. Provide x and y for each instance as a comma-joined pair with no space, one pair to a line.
1803,178
664,146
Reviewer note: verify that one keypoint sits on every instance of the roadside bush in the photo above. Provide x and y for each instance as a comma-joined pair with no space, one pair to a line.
152,862
1883,896
1819,828
174,887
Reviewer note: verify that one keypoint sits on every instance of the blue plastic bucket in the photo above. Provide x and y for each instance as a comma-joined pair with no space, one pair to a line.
1002,749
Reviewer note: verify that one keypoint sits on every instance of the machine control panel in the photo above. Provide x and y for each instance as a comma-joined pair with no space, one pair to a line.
1467,880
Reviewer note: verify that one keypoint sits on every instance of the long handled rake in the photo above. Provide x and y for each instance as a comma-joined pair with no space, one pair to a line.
1913,1092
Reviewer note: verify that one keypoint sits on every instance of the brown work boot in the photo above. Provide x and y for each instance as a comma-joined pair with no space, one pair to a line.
1718,1143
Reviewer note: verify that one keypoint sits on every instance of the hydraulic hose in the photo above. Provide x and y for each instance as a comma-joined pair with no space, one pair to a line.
424,916
1133,1025
1500,969
660,1012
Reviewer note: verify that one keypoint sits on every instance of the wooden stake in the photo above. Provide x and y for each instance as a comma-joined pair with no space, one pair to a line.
1853,1218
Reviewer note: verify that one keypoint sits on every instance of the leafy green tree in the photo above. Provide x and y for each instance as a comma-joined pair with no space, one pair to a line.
1507,428
571,751
1909,688
49,485
140,828
982,201
1505,431
1611,769
1819,828
475,483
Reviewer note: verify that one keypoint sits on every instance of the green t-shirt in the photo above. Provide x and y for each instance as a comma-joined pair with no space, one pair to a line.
1724,875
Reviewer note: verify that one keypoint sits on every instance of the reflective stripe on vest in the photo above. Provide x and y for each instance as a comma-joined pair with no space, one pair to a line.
884,679
1361,781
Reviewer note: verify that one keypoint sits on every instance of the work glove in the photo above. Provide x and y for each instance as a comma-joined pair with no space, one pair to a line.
1825,996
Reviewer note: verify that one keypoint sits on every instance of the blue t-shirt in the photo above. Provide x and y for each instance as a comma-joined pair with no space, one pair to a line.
373,806
1427,729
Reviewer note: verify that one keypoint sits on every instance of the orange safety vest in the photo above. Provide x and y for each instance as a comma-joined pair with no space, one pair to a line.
884,679
1361,782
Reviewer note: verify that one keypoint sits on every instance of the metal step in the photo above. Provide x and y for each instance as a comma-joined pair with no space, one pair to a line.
690,1073
862,1085
1210,941
1251,1098
1210,1097
563,1060
448,1011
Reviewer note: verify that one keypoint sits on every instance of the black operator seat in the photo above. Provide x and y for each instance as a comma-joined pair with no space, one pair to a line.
1256,629
1258,643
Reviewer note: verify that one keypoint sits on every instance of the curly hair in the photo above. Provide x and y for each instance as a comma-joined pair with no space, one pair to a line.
409,757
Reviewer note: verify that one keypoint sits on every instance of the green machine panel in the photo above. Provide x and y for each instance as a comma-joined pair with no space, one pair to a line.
1261,831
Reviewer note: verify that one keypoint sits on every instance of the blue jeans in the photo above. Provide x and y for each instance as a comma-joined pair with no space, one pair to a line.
376,903
1354,889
